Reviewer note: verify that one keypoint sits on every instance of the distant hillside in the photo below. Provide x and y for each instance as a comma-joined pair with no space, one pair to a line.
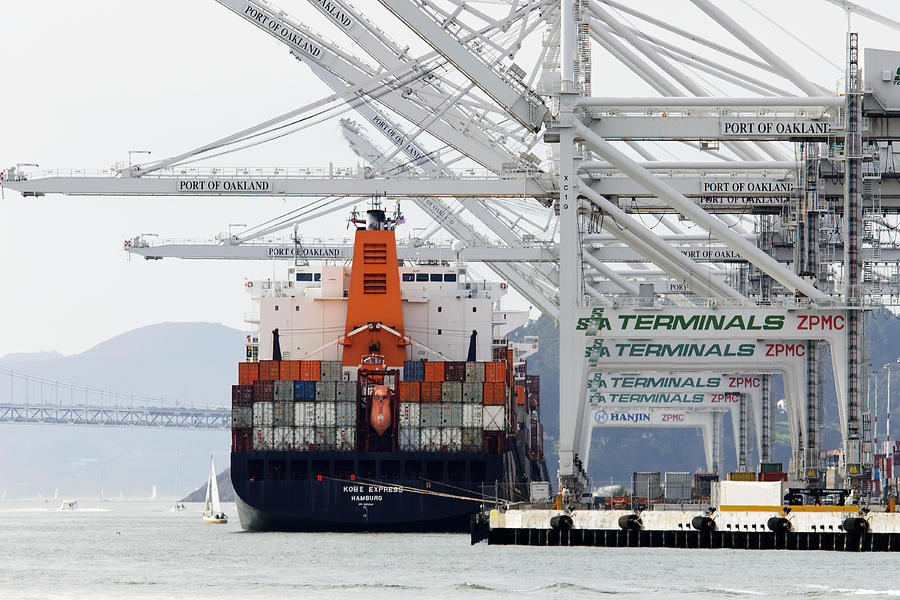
226,490
188,362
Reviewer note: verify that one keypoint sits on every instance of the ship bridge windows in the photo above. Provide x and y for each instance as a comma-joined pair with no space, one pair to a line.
450,277
277,470
409,277
309,277
255,469
421,276
299,469
437,277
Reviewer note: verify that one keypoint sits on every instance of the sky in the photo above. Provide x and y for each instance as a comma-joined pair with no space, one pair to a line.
86,82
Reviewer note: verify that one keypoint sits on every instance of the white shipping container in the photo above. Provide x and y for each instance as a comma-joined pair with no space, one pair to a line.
451,438
493,418
283,414
304,438
473,392
325,414
430,415
345,414
325,437
410,438
262,414
325,391
431,439
391,381
472,415
345,391
284,438
409,415
345,438
242,417
262,438
304,414
473,438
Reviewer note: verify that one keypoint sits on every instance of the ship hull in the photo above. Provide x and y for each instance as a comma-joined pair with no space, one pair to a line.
362,491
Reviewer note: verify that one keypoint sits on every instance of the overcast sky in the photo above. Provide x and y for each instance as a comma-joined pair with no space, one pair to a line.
85,82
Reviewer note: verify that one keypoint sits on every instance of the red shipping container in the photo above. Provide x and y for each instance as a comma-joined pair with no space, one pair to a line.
434,371
410,391
431,391
455,371
495,371
269,370
289,370
248,372
263,391
520,395
494,393
310,370
241,395
241,440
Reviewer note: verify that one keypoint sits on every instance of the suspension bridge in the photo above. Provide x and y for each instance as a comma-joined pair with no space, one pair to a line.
33,399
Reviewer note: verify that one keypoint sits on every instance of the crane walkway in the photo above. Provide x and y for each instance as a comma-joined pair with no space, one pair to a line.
36,400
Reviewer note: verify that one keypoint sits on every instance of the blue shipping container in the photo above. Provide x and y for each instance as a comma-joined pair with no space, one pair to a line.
304,391
414,370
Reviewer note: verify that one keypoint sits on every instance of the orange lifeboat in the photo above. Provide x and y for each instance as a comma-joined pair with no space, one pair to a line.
380,415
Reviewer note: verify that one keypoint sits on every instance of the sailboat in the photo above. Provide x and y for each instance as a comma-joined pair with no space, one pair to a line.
212,509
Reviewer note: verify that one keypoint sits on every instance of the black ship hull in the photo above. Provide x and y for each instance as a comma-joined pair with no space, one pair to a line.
363,491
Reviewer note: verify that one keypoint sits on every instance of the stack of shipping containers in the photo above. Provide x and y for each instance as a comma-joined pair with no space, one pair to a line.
443,406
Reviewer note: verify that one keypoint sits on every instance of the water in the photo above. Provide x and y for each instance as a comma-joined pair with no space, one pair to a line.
142,550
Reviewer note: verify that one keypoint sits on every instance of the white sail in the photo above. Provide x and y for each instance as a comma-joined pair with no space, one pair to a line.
214,485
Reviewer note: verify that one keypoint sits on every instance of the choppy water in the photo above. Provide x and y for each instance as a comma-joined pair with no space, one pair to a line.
141,550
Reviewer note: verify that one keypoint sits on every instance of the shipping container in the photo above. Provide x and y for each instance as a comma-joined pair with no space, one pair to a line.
305,438
410,391
678,486
703,484
495,371
283,414
345,414
494,442
451,439
737,476
242,439
431,439
414,370
472,416
325,438
769,476
455,417
431,391
451,391
310,370
520,395
284,438
331,370
434,371
472,440
269,370
475,372
494,393
242,395
409,415
241,417
262,414
454,371
345,438
534,438
284,391
262,438
410,438
533,390
248,372
430,415
345,391
646,485
325,414
289,370
304,391
263,391
770,468
304,414
493,418
325,391
473,392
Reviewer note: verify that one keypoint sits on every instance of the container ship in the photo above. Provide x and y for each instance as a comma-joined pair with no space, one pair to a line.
382,395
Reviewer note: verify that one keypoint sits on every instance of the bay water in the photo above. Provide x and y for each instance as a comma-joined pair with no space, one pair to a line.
140,549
